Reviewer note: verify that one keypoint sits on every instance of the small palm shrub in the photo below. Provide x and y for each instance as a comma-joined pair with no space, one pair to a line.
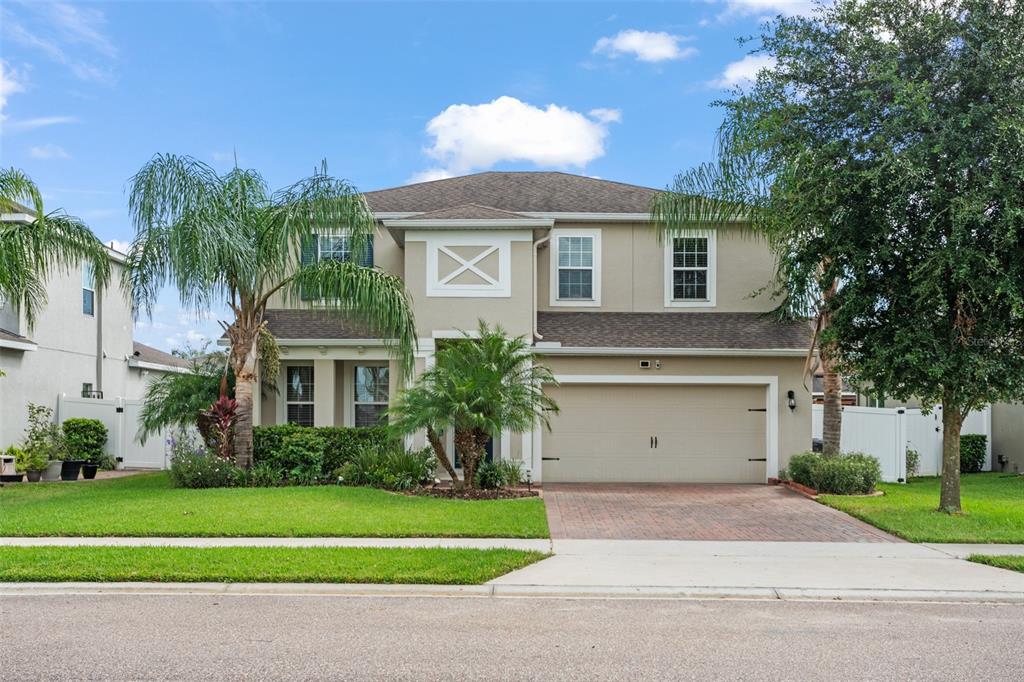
853,473
85,439
264,476
502,474
390,467
973,448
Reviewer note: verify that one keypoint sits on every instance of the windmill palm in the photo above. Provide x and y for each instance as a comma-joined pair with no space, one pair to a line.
767,195
31,251
227,240
479,386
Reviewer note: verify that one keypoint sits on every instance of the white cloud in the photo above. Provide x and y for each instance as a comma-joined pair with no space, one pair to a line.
646,46
606,115
48,152
189,338
475,136
34,123
59,30
11,81
744,71
82,25
766,8
429,174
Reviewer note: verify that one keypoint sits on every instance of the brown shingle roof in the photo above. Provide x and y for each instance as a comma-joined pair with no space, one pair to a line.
11,336
156,356
751,331
313,324
468,212
529,192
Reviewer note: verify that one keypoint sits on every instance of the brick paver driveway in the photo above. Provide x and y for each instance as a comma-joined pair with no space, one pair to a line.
656,511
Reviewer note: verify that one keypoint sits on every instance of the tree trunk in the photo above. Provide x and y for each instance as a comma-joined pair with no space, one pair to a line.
466,446
243,361
442,455
952,420
832,417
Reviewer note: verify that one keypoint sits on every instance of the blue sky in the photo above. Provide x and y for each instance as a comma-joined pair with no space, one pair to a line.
387,92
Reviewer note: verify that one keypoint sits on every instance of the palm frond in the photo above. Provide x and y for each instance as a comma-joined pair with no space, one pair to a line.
17,190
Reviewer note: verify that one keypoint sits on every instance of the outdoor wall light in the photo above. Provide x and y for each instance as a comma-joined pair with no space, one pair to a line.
791,400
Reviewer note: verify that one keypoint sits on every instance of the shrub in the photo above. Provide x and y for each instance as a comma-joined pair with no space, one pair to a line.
852,473
264,476
301,457
511,472
391,467
489,476
26,460
342,443
85,439
42,435
973,447
913,462
193,466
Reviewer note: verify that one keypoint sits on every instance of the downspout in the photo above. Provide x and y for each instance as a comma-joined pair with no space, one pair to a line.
98,295
536,247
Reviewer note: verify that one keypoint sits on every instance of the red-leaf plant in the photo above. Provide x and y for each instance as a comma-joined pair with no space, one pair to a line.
222,416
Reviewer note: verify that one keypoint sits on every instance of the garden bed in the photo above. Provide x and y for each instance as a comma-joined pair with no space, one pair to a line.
474,493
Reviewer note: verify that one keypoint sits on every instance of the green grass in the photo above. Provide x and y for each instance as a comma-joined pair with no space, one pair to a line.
147,505
437,566
993,510
1010,563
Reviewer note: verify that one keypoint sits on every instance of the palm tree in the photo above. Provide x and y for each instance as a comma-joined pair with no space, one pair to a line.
478,387
225,239
32,251
762,194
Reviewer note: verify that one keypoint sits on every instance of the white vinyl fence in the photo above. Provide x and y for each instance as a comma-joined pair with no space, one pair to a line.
886,433
121,417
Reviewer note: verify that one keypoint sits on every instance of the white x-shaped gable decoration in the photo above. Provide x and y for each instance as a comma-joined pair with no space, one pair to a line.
444,249
467,265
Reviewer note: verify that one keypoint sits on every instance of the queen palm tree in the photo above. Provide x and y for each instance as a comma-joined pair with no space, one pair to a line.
34,250
765,194
479,386
227,240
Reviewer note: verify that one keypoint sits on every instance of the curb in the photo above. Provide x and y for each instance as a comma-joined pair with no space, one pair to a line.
509,591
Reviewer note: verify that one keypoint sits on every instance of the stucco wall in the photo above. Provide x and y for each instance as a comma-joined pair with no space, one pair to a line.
1008,435
633,271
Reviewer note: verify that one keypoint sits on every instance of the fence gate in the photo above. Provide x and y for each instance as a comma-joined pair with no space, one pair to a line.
121,417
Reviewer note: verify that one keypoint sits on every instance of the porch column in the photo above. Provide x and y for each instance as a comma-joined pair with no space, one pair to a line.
323,392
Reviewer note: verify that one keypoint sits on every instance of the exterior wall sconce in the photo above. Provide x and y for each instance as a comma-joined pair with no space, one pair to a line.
791,400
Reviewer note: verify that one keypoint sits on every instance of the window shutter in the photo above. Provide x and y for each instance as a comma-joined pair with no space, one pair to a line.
367,260
308,257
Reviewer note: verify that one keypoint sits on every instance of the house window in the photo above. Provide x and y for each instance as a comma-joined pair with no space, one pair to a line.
371,395
576,268
88,289
299,395
334,247
690,270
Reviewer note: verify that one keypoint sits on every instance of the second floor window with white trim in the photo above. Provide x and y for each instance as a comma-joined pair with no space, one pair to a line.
690,269
334,247
575,268
88,289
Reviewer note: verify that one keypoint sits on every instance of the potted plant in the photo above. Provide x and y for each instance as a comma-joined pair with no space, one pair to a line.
46,439
32,462
84,440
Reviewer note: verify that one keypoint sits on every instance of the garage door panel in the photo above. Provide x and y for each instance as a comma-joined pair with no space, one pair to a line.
705,434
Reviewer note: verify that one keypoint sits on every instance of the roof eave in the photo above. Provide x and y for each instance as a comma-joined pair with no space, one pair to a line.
544,349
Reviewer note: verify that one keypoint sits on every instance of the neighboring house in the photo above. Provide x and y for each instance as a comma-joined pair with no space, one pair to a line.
81,346
1008,437
849,396
668,368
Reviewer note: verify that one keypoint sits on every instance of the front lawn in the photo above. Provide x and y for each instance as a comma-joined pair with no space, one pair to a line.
1010,563
147,505
260,564
993,510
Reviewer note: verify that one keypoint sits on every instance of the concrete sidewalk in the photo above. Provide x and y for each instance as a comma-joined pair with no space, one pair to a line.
900,570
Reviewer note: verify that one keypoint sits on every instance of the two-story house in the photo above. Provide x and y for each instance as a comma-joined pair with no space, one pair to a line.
668,369
81,346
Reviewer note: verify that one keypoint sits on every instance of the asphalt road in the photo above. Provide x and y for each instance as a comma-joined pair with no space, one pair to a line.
129,637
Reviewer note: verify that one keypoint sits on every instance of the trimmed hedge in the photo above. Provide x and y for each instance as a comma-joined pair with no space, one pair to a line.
973,448
85,439
341,443
853,473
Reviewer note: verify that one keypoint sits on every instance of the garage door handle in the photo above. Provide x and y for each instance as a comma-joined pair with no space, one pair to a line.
549,459
757,409
655,442
758,459
652,442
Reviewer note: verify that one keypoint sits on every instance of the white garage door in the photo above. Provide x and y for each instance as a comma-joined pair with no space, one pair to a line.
645,433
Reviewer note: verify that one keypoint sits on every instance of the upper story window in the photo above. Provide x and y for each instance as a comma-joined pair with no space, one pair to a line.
88,289
334,247
690,270
576,268
317,247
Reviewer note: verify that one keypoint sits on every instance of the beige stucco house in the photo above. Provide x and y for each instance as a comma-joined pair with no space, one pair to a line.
667,368
81,346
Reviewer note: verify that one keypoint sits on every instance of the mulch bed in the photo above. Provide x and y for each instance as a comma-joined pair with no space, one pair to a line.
474,493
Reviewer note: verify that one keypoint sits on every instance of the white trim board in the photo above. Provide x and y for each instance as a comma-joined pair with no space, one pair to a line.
771,384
